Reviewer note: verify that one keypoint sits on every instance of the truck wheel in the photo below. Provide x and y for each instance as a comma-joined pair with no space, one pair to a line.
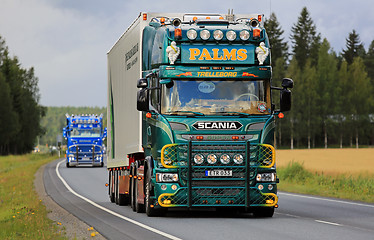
263,212
116,187
67,164
132,189
150,211
111,184
102,164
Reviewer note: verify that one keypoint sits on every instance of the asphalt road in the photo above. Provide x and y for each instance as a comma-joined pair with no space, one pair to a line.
82,192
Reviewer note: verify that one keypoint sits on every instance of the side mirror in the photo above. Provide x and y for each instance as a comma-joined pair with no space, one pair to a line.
287,83
285,100
142,83
142,100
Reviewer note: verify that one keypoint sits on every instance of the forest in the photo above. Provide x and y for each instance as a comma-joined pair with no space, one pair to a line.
332,105
333,95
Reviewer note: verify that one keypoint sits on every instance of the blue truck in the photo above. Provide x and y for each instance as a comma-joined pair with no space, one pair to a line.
85,135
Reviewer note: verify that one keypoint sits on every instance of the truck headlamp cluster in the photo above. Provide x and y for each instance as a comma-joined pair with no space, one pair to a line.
266,177
218,35
71,157
231,35
167,177
204,34
224,158
192,34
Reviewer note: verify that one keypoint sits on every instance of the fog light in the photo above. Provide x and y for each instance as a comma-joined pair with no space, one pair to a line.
163,187
174,187
270,187
260,187
269,201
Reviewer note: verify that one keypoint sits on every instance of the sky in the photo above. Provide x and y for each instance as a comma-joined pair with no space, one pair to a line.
66,41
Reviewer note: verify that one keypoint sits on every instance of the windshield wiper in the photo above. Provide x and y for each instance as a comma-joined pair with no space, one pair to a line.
241,114
194,113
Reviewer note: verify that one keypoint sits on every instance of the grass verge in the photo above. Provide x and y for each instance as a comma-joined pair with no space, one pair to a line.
294,178
22,213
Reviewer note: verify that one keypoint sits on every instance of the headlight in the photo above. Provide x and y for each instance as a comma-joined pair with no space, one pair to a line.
205,34
192,34
244,35
217,35
266,177
238,159
198,158
231,35
211,158
225,158
166,177
71,157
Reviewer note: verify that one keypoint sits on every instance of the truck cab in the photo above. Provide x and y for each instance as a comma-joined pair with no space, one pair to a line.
84,136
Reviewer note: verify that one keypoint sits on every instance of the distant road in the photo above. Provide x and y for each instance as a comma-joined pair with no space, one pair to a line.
82,192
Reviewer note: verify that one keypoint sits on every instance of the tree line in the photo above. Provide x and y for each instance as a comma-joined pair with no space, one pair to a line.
19,105
333,97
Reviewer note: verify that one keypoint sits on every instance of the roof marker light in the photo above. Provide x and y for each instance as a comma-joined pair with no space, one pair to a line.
144,17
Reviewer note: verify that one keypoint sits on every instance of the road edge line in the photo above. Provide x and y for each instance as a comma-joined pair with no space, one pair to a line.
167,235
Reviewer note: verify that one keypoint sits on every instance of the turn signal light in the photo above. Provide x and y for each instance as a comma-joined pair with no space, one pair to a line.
178,33
199,137
256,33
281,115
148,115
235,137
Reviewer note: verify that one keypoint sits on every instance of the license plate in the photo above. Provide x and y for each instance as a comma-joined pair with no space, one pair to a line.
218,173
85,158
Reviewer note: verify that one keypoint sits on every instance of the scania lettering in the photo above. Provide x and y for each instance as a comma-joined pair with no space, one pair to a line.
190,114
84,136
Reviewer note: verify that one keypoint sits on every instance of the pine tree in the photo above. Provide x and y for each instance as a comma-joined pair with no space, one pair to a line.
360,97
354,47
305,39
327,73
279,48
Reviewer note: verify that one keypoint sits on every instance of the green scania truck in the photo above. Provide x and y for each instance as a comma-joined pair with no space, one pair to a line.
191,120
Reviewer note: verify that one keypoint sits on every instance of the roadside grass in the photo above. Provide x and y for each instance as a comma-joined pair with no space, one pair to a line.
22,213
295,178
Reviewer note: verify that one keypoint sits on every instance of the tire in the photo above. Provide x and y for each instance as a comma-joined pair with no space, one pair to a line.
68,165
132,187
111,179
102,164
116,187
151,212
263,212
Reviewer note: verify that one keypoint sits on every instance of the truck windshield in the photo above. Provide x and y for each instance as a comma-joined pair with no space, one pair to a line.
216,97
76,132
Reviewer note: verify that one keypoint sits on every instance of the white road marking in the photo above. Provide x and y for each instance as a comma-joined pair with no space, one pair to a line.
328,200
110,211
330,223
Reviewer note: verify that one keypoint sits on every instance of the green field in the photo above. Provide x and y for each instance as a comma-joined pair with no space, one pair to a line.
22,213
339,173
